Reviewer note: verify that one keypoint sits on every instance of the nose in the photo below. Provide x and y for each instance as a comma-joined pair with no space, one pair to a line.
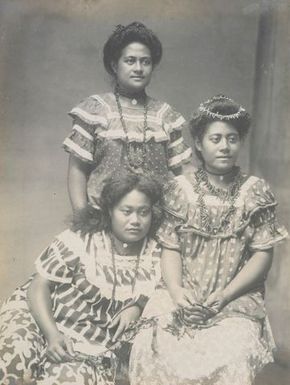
138,66
134,219
224,144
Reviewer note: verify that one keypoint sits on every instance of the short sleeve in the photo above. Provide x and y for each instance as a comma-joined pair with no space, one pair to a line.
266,231
175,213
57,262
178,152
89,118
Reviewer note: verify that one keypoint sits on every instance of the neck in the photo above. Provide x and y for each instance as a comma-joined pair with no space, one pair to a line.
126,248
140,96
222,177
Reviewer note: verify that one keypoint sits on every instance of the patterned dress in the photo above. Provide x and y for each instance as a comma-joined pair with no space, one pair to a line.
237,342
98,138
83,307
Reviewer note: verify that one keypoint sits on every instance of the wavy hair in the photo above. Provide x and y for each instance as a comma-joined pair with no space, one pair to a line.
124,35
90,220
219,108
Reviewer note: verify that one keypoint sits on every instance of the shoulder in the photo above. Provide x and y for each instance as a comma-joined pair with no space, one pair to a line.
93,109
176,196
257,194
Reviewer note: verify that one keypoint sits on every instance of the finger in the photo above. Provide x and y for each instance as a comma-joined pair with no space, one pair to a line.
190,297
119,331
64,356
114,322
195,314
53,357
207,310
69,348
183,303
190,322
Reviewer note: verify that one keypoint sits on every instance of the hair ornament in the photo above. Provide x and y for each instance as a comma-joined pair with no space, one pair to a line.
119,28
204,109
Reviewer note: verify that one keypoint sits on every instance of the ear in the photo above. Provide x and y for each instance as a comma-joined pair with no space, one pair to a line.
114,66
197,144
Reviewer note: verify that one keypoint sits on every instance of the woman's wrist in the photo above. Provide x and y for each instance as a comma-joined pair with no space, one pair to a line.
174,290
51,333
227,295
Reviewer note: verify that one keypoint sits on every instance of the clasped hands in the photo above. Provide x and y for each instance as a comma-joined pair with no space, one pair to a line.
193,312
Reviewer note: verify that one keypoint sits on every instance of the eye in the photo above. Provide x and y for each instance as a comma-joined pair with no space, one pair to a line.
147,61
233,139
145,212
126,211
215,138
130,60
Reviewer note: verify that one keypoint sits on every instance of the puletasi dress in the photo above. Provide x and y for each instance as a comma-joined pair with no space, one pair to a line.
236,343
82,270
98,138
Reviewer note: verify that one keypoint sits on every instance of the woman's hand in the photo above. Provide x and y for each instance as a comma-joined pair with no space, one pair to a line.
182,297
123,320
196,314
216,301
59,348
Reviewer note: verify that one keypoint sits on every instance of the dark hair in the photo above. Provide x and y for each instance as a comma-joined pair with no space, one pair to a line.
124,35
219,108
115,188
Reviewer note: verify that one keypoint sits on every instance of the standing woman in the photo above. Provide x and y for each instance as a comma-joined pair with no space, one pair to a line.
125,128
218,240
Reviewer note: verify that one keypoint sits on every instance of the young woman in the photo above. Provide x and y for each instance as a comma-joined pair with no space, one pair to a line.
126,128
218,240
62,327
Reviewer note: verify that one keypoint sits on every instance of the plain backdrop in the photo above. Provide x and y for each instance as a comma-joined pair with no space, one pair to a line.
51,58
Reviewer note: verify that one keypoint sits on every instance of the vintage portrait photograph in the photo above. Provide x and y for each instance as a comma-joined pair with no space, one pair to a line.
144,195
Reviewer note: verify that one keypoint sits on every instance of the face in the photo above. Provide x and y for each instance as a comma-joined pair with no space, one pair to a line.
219,147
134,68
131,217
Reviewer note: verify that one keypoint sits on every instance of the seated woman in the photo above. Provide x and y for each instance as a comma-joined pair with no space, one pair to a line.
218,240
64,324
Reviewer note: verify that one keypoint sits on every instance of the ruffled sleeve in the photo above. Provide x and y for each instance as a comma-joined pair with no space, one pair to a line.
261,211
89,118
175,214
178,151
57,262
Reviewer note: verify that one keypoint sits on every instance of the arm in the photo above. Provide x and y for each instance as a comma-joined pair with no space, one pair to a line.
171,268
254,272
39,300
78,173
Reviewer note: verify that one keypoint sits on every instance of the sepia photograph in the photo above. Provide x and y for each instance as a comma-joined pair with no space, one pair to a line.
144,195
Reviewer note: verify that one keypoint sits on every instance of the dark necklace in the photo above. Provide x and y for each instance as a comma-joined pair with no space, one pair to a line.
133,283
136,152
229,195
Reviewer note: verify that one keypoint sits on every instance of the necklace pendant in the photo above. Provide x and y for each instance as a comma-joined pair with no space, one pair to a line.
135,154
134,102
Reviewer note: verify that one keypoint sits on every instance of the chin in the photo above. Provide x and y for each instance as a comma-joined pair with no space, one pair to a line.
132,238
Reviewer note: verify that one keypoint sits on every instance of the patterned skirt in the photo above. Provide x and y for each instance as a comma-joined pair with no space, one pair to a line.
23,360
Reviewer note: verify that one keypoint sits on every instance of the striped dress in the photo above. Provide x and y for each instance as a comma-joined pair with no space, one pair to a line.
98,138
82,304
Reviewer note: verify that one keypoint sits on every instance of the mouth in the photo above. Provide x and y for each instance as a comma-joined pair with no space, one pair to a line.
224,157
133,231
137,77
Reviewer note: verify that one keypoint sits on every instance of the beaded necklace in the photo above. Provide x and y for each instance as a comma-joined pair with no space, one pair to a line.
136,152
230,195
133,283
